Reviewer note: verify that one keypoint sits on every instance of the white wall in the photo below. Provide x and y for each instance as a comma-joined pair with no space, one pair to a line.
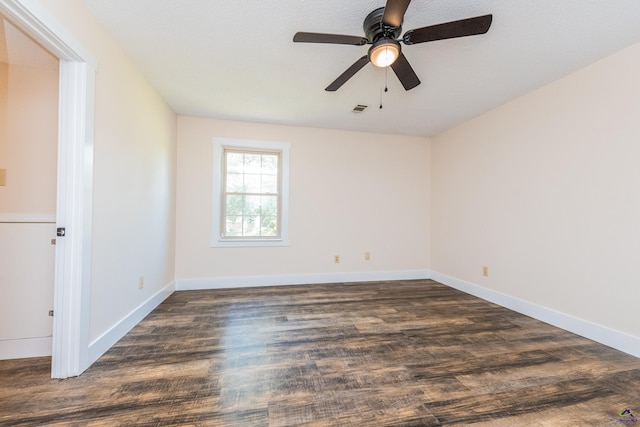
349,193
545,191
28,152
29,138
134,178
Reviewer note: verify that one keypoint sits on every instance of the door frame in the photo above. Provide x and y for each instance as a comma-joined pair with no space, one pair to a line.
72,282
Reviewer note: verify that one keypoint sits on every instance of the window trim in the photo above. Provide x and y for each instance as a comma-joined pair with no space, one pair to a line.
219,146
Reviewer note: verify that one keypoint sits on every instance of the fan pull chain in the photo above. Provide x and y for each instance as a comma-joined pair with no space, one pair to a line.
386,87
386,78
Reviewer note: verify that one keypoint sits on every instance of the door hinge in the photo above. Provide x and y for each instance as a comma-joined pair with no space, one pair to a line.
51,313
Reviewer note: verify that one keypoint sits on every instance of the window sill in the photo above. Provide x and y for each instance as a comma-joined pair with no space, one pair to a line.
243,243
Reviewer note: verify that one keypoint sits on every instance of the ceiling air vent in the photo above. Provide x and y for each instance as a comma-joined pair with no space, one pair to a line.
359,108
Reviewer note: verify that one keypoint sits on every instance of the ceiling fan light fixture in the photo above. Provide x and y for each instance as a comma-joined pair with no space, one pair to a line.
384,52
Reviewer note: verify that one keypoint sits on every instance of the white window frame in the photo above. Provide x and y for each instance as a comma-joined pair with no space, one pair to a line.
219,145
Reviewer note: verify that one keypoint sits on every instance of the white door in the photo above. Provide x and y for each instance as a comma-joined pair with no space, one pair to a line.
27,262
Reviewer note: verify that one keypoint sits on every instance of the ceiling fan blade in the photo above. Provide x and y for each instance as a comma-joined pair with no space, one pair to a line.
302,37
405,72
449,30
350,72
394,12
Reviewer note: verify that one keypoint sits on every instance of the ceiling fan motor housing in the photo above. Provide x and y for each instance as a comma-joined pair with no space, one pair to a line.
374,30
382,29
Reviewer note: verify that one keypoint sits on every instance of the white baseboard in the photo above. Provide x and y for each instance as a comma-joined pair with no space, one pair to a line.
622,341
297,279
23,348
103,343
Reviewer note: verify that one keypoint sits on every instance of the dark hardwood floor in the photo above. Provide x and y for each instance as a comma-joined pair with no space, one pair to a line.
401,353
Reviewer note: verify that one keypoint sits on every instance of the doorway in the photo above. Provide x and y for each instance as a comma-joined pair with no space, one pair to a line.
29,80
72,279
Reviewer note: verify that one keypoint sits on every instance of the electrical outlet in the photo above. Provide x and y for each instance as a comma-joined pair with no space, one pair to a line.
140,282
367,256
485,271
336,259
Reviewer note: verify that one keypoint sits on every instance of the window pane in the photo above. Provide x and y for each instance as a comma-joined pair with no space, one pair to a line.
235,162
233,218
235,183
252,183
269,205
270,164
233,229
252,205
251,226
269,184
269,226
252,163
234,206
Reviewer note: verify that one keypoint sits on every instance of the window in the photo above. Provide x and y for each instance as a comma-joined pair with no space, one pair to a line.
250,193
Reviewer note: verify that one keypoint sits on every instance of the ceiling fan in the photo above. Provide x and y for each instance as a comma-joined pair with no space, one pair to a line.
382,27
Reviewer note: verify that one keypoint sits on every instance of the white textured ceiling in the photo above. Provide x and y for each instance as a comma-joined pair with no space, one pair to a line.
235,59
